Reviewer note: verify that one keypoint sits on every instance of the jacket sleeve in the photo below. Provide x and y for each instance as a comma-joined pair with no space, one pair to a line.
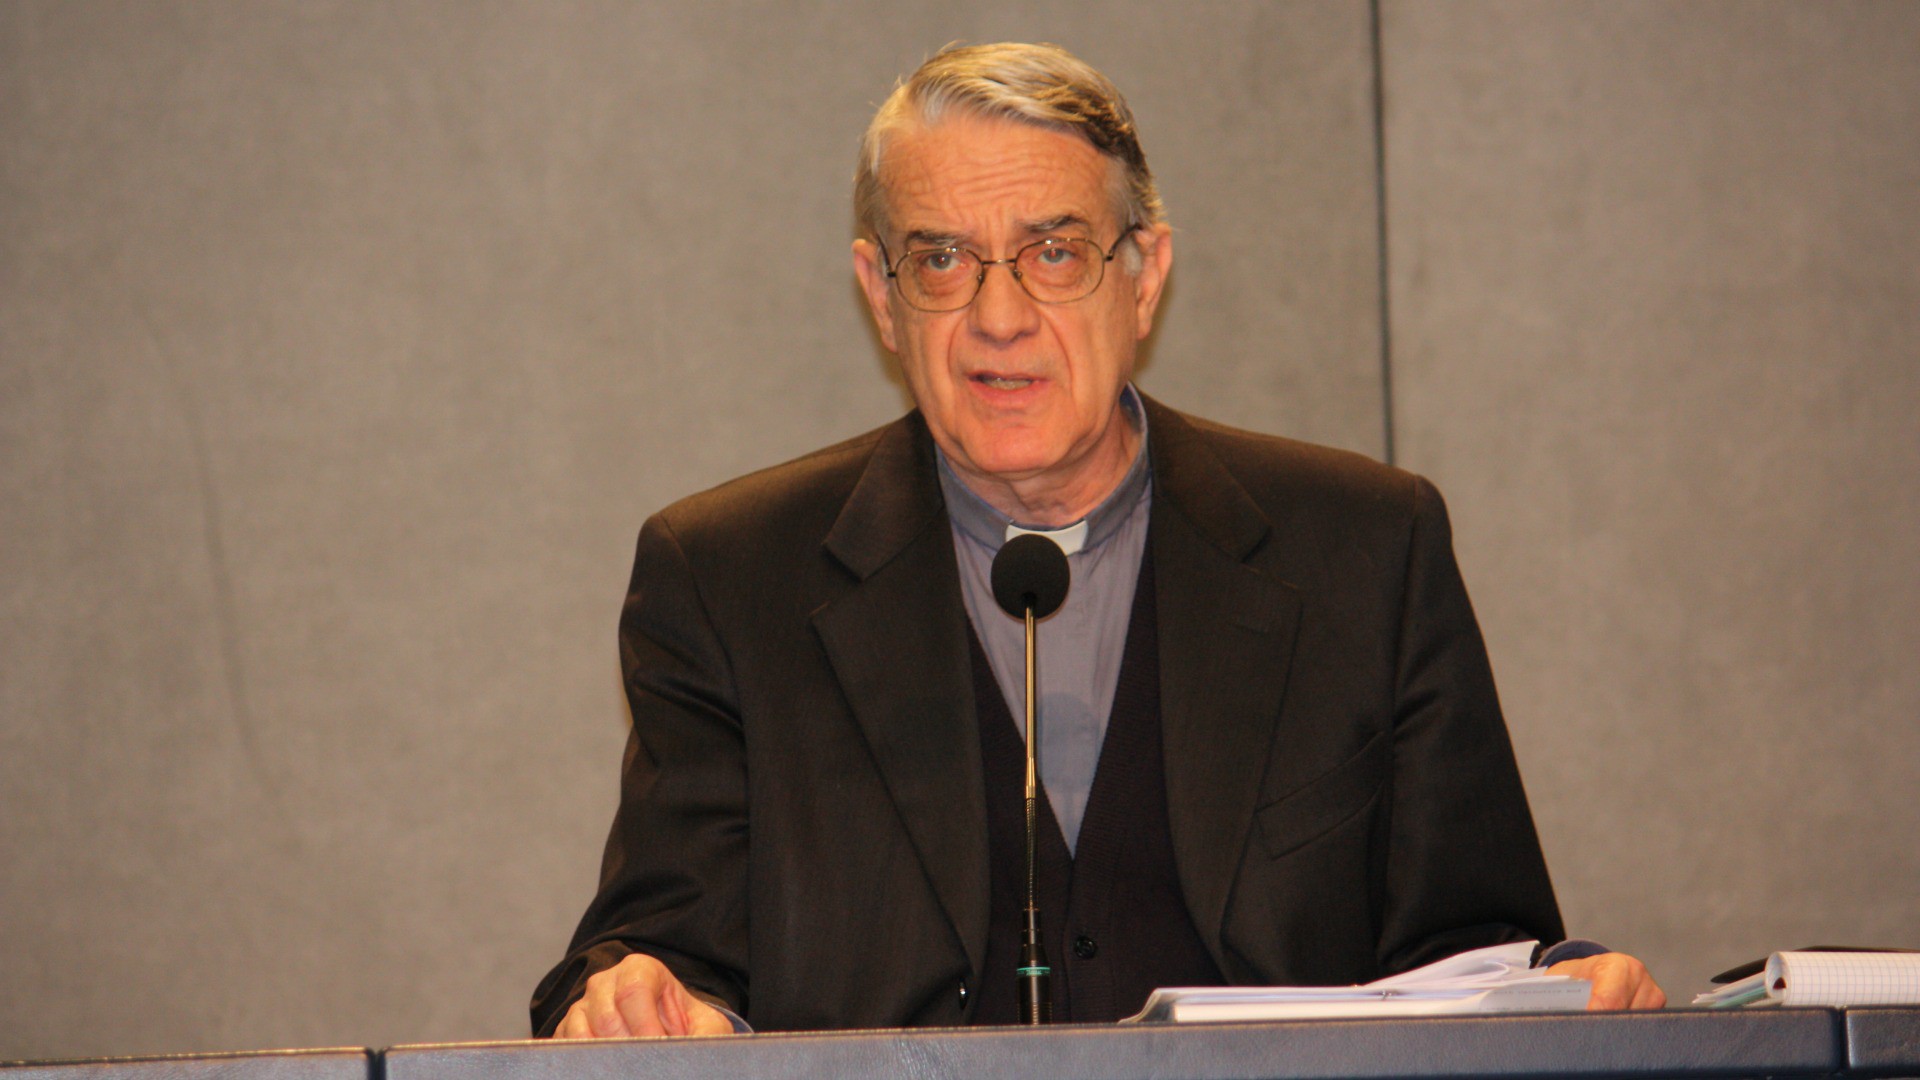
673,877
1464,867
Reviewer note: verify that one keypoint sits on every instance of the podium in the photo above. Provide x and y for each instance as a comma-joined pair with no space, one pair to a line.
1882,1042
354,1063
1678,1044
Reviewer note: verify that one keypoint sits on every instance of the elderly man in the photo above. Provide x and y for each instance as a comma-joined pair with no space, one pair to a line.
1271,747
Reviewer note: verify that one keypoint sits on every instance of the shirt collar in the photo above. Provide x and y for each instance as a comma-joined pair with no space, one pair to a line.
990,528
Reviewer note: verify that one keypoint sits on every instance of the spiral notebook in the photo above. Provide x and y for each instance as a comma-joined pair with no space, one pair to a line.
1824,977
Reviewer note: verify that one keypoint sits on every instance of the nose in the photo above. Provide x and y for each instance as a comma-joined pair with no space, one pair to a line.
1002,312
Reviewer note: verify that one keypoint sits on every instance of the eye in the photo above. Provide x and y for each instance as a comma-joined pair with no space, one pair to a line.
939,262
1057,254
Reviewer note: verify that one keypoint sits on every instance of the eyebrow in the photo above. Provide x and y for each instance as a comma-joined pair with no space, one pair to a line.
920,239
927,238
1055,224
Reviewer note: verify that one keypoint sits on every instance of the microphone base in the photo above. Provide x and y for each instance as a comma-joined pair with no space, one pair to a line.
1036,998
1035,976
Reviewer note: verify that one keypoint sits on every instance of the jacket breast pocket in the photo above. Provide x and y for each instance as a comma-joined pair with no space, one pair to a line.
1326,802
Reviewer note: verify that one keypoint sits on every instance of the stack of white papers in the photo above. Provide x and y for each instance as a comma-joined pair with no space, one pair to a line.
1824,978
1491,980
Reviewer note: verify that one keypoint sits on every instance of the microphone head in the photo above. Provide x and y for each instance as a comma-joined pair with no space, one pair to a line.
1030,572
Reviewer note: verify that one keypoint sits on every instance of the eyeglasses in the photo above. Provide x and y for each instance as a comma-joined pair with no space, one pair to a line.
1057,270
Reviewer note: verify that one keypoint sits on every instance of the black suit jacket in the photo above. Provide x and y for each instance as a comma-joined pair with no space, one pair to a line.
802,834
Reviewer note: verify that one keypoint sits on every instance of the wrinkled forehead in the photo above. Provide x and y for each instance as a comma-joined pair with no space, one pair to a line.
973,179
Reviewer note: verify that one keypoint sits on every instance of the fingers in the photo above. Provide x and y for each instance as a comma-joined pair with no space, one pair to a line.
1619,982
573,1025
705,1021
1612,987
1610,991
639,997
594,1016
1648,994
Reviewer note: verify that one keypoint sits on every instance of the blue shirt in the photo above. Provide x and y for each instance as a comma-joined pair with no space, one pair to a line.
1079,647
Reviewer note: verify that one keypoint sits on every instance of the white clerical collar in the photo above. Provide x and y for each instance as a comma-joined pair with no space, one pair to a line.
988,527
1071,538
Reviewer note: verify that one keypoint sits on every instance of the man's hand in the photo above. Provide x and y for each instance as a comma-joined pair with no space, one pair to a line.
639,996
1619,981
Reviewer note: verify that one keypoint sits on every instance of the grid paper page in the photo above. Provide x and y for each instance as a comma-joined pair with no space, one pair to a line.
1844,978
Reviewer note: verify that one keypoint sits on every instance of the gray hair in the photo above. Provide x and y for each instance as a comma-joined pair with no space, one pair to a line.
1043,85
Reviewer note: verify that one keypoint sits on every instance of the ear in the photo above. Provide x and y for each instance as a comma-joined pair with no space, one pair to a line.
872,274
1156,262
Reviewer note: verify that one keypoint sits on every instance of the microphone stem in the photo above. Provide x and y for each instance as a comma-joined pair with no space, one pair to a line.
1033,776
1036,977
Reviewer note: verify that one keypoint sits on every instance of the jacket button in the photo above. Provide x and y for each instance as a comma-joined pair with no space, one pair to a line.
963,993
1085,947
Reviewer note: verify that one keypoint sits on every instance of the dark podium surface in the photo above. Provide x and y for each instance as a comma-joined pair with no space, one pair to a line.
344,1064
1679,1044
1883,1042
1776,1043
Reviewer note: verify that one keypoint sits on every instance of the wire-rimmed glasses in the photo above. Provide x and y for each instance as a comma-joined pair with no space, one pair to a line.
1056,270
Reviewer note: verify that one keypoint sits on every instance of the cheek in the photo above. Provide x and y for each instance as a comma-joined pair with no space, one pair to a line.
1104,352
923,357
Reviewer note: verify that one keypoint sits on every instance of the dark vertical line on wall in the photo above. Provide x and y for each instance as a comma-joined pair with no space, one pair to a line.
1380,229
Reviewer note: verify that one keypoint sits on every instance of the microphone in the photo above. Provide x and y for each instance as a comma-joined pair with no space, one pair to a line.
1030,572
1030,579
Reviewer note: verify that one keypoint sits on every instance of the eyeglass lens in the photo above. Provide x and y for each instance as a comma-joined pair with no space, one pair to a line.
1053,271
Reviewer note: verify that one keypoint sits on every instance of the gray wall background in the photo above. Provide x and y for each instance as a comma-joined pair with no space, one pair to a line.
343,348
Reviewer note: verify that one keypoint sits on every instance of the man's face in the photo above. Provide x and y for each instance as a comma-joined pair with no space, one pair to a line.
1016,392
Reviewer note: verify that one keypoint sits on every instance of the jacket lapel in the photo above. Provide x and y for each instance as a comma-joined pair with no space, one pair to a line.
897,641
1226,641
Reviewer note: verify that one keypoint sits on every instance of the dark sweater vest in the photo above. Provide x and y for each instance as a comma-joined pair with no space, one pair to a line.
1115,923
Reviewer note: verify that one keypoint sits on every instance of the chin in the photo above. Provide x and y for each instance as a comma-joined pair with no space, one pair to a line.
1014,462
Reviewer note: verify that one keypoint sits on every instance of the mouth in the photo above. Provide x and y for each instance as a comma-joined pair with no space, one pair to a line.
994,380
